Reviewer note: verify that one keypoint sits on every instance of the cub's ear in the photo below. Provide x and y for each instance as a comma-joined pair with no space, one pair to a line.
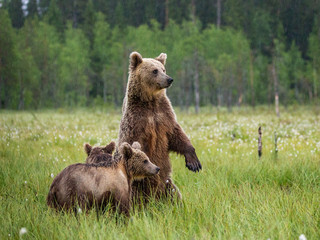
136,145
126,150
110,147
88,148
162,58
135,60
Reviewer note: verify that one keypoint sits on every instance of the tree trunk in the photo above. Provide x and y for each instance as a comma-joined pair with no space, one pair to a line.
21,100
193,10
218,13
104,77
74,15
196,83
275,81
219,97
315,93
240,100
251,81
240,86
0,89
229,91
166,21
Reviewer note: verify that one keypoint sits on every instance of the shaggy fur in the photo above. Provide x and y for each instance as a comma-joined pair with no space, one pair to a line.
98,184
148,118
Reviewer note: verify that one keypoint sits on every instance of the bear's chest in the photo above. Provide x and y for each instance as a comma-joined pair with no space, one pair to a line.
156,130
157,122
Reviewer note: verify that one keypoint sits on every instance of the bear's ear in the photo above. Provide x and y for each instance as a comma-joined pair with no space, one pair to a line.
135,60
162,58
88,148
136,145
110,147
126,150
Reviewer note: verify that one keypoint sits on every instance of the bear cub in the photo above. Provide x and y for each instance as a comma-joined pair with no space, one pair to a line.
99,154
99,184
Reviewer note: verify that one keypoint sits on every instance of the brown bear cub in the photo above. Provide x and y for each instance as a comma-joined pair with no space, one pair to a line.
98,184
99,154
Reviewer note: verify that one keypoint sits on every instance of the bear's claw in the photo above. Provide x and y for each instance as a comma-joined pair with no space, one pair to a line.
194,166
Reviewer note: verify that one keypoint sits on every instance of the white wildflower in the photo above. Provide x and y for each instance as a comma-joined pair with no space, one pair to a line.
25,182
52,175
79,210
302,237
22,231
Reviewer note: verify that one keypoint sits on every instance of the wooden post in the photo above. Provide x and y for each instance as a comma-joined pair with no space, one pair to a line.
260,142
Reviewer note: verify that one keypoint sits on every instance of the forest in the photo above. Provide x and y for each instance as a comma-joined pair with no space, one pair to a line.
74,53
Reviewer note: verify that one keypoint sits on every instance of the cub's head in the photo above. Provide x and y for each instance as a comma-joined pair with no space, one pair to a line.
137,162
149,74
99,154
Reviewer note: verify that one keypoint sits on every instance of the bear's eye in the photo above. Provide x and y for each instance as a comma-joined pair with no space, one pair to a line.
155,71
145,161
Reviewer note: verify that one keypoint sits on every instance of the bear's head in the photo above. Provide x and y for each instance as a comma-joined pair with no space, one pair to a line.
137,162
149,74
99,154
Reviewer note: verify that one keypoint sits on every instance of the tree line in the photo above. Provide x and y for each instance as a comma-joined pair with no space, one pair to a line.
58,53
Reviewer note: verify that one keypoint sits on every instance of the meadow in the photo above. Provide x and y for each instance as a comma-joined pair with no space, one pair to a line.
235,196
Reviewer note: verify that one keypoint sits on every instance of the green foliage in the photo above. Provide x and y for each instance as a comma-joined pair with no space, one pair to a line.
225,66
54,17
314,53
73,64
28,75
235,196
8,63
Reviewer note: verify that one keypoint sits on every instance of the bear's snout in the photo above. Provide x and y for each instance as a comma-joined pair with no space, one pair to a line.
157,169
169,80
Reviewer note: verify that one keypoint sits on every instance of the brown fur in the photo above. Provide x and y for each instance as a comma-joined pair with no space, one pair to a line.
148,118
99,154
97,184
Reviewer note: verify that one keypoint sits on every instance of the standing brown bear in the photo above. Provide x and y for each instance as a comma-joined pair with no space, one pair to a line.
148,118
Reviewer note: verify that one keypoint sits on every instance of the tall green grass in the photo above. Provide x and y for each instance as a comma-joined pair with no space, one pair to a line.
235,196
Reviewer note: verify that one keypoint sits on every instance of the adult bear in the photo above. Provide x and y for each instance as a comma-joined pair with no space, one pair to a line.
148,117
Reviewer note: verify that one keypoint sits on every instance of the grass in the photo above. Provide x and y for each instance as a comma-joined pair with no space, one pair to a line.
236,196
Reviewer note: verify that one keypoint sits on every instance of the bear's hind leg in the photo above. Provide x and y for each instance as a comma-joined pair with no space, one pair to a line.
172,190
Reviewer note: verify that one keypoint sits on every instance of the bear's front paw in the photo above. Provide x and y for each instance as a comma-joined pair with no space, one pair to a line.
193,163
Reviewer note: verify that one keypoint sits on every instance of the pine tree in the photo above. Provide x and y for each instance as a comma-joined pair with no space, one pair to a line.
16,13
32,8
89,21
54,17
